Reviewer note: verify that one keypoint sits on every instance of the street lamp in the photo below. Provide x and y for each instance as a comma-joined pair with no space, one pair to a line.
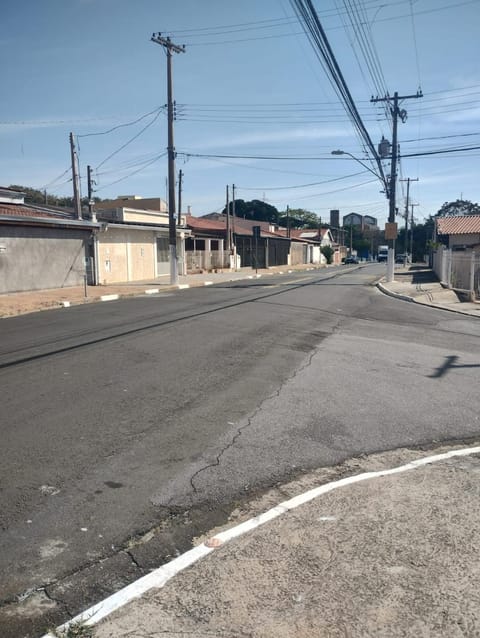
339,152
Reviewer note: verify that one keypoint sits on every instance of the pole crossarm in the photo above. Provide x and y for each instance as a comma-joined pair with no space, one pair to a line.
166,42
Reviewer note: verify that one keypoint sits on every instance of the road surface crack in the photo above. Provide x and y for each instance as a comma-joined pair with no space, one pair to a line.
258,409
56,600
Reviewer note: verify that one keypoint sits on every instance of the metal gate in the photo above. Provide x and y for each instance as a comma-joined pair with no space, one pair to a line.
163,267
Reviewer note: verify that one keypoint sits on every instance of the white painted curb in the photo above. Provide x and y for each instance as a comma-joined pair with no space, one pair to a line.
152,291
183,286
109,297
159,577
208,283
65,304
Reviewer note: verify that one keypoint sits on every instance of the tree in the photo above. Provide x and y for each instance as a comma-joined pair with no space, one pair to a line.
255,209
35,196
32,195
327,251
458,208
299,218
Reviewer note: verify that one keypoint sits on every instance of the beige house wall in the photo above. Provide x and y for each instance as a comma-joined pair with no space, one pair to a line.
126,255
132,215
470,239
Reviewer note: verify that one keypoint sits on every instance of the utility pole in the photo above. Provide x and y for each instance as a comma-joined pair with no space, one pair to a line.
408,180
77,205
288,221
227,206
395,112
233,211
411,231
180,175
169,46
91,201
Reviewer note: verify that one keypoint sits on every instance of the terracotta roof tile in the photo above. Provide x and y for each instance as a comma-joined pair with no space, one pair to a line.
202,223
20,210
465,225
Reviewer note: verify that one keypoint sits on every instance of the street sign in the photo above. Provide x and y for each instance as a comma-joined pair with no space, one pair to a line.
391,230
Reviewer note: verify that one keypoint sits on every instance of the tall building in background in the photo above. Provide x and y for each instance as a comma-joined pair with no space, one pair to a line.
335,218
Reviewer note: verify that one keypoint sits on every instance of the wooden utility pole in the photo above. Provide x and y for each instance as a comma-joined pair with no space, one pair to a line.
169,46
77,204
395,112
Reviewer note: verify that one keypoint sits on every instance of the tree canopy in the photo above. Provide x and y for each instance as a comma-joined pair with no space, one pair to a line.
255,209
263,212
35,196
299,218
458,208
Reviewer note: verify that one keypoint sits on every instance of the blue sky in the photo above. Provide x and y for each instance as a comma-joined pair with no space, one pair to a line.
248,84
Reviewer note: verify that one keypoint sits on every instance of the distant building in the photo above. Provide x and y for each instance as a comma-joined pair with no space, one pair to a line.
135,201
368,220
355,219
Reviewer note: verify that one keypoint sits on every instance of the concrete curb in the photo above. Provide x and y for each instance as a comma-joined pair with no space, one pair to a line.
397,295
390,293
109,297
159,577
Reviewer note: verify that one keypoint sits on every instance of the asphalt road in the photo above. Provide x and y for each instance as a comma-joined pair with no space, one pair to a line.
130,426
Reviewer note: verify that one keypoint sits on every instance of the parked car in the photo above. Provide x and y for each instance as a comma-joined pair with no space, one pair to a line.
351,260
400,258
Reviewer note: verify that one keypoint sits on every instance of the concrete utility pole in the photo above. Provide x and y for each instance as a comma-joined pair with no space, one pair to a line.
395,112
408,180
77,204
227,206
172,231
233,211
180,176
91,201
411,230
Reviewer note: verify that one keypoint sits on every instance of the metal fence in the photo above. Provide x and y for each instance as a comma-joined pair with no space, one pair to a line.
197,260
459,270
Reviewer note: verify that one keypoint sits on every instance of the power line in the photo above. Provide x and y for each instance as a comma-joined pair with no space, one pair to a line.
114,128
67,170
314,158
146,165
281,188
309,19
129,141
337,190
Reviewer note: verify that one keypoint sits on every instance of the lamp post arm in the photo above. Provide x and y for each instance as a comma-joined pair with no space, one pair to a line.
370,170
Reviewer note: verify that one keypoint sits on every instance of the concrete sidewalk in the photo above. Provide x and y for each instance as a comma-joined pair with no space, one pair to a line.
12,304
420,284
383,546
